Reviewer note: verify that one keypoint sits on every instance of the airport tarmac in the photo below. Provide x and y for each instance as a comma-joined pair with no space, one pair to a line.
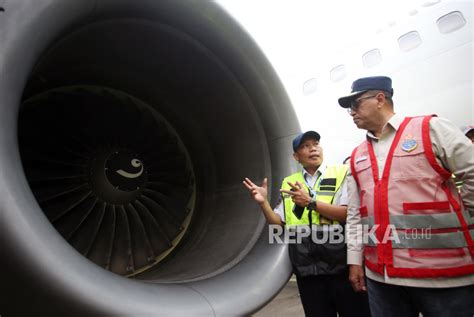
286,303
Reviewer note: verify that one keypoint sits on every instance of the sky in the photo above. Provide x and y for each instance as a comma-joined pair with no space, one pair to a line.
319,47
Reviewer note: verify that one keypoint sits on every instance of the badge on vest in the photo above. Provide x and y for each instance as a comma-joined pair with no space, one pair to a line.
409,144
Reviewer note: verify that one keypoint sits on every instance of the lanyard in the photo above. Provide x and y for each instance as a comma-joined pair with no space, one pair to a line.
312,192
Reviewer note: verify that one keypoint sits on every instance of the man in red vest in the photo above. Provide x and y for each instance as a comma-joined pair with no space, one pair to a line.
406,222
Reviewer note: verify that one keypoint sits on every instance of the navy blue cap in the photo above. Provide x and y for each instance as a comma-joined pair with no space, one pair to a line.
362,85
297,141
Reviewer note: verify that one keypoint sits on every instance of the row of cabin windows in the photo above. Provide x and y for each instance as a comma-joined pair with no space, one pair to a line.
446,24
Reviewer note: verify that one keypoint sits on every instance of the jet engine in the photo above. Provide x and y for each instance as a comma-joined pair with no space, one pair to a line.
126,129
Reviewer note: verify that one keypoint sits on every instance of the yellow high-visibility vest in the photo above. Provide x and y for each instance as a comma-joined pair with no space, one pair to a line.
325,187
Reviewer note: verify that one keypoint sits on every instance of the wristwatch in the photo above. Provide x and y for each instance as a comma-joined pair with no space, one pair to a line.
312,204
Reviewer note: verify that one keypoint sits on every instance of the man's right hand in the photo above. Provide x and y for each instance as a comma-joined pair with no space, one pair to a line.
357,278
259,193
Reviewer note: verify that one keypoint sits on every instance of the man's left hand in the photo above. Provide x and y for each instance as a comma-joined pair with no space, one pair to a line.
298,194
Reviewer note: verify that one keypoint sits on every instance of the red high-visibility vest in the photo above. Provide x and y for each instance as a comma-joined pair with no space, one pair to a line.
415,206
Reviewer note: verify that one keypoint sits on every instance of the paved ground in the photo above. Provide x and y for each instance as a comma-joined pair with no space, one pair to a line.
287,303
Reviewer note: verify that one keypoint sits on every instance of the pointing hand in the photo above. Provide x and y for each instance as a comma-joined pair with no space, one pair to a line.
258,193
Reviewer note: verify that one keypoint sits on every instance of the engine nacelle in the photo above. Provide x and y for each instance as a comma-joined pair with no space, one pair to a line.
126,129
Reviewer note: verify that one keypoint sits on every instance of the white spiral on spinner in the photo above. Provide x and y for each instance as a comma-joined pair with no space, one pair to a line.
135,163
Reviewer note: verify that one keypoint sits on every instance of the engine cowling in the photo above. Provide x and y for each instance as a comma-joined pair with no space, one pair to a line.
126,130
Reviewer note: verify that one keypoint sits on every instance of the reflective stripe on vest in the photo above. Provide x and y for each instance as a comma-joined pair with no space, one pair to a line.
435,221
334,174
325,193
433,241
425,240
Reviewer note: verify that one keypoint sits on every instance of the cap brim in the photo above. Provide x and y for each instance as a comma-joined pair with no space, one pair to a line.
345,101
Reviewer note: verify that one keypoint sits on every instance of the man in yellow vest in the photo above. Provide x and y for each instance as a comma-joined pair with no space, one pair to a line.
318,196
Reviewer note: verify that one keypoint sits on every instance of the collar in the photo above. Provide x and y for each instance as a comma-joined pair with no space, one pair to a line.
392,124
318,173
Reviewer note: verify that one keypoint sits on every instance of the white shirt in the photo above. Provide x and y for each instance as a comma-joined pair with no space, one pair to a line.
449,146
341,197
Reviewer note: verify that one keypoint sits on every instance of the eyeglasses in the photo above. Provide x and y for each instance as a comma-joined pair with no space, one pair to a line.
356,103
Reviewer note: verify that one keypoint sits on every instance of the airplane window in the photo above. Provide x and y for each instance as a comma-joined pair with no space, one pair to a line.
372,58
409,41
451,22
338,73
310,86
